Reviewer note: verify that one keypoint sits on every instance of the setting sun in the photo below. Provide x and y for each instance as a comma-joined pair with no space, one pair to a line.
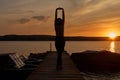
112,35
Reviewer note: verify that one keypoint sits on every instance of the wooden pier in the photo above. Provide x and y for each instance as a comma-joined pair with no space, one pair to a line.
47,69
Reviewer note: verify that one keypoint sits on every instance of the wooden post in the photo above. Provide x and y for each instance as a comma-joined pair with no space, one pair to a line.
50,47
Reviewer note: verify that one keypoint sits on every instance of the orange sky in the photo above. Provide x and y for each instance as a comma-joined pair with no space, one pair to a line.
83,17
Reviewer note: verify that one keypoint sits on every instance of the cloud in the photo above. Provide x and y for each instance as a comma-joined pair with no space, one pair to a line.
17,12
38,18
23,20
41,18
98,10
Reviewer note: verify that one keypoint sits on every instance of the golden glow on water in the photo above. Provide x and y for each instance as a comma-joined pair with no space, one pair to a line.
112,46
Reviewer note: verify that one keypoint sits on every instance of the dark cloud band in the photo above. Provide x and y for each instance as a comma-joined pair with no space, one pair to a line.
38,18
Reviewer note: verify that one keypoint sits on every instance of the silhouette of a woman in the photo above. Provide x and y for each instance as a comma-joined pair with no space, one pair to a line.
59,40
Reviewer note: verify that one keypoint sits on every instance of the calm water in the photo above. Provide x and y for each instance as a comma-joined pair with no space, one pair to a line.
27,47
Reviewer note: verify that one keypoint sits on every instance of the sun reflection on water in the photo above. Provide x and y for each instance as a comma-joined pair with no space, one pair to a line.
112,46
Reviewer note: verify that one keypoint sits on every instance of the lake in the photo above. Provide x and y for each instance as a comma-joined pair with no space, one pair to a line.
27,47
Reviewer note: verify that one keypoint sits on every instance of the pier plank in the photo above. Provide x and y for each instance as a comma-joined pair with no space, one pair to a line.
47,69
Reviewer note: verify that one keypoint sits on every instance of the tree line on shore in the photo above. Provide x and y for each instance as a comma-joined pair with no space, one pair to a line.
52,38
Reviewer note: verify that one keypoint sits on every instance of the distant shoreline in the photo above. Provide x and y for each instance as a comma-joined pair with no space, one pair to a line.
52,38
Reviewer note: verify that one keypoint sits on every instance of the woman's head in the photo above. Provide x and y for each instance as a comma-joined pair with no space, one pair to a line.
59,21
